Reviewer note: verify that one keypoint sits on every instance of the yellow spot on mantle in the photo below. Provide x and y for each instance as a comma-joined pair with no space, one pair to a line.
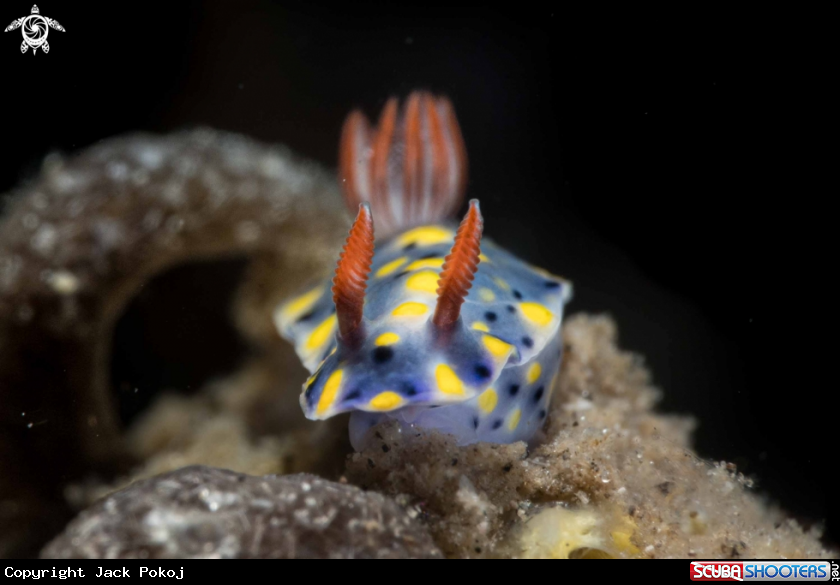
447,381
410,309
496,346
425,236
514,419
387,339
425,263
488,400
536,313
302,303
321,334
385,401
534,372
330,391
479,326
486,295
391,267
426,281
501,283
483,258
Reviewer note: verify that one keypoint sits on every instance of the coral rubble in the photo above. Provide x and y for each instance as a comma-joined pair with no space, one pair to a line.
81,239
202,512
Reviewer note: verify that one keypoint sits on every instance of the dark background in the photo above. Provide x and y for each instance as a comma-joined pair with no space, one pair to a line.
650,158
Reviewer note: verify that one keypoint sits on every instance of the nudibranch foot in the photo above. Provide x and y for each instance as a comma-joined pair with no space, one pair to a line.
513,409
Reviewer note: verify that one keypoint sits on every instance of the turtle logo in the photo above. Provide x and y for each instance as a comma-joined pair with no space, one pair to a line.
35,29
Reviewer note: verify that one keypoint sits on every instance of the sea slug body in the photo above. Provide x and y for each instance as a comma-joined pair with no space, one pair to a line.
427,324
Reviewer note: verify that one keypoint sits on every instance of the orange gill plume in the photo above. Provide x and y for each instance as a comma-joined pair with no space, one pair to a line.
351,276
412,167
459,268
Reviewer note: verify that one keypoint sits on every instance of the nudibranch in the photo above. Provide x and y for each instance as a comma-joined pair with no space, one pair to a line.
434,326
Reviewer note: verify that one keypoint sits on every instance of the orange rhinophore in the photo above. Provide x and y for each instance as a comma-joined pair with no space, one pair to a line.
351,274
459,268
412,167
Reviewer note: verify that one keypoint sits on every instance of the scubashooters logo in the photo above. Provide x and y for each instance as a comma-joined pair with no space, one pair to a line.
763,571
35,29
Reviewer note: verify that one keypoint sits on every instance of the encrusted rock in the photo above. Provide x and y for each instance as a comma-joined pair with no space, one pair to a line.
204,512
77,243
